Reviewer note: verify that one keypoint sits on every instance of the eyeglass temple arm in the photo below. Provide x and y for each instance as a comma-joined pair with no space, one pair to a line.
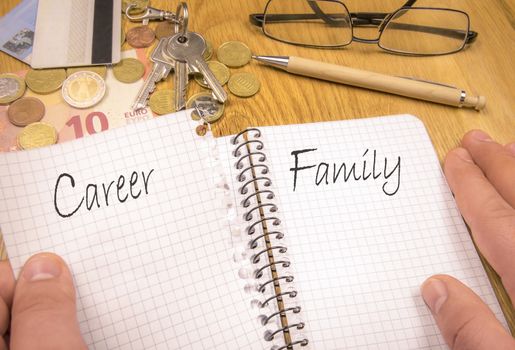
363,19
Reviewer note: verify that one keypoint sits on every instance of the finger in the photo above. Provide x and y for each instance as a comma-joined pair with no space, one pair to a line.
511,148
495,160
6,296
464,320
44,310
7,282
490,217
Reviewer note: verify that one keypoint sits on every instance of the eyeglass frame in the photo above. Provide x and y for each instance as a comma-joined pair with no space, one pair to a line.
367,19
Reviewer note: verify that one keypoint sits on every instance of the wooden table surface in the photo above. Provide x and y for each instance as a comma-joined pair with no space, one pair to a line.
487,67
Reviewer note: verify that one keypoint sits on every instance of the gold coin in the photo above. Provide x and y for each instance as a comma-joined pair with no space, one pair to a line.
122,36
234,54
208,52
220,71
12,87
210,109
138,6
37,135
129,70
83,89
100,70
244,84
45,81
162,101
25,111
165,29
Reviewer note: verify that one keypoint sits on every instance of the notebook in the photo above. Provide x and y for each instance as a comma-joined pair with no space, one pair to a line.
311,236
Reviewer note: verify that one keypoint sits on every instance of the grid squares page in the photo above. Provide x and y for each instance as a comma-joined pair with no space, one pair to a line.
361,248
152,263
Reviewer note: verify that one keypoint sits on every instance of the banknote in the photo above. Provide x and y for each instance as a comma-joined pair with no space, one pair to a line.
17,34
72,123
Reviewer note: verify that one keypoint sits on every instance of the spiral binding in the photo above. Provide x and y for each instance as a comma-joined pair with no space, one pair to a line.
254,176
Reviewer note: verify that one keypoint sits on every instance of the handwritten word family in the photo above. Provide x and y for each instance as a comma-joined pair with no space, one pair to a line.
370,167
98,195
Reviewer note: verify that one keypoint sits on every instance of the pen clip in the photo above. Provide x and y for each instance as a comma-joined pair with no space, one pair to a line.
428,81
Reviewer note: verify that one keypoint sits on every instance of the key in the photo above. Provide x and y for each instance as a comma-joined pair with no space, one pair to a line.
188,47
160,70
181,82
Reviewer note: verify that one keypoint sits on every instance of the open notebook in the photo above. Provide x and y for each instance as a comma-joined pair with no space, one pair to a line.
317,235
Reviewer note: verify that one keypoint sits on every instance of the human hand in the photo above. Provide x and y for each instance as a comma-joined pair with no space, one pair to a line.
481,175
39,307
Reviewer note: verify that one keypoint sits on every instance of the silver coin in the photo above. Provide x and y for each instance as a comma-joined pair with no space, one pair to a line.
210,109
8,87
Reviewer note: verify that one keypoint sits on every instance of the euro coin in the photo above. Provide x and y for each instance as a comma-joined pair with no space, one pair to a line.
162,101
210,109
208,52
220,71
25,111
45,81
234,54
129,70
140,37
244,84
100,70
12,87
165,29
201,130
83,89
37,135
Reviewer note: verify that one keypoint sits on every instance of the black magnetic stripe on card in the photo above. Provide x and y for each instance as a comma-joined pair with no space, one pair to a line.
102,48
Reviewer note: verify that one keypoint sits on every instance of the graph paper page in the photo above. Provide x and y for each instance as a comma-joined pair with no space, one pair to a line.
153,266
361,248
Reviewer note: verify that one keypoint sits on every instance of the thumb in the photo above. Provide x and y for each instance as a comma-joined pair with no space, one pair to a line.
464,320
44,312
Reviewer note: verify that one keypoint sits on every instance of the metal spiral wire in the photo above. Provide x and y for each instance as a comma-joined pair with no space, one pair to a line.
256,186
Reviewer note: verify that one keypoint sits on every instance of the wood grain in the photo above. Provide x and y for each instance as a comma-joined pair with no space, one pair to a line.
484,68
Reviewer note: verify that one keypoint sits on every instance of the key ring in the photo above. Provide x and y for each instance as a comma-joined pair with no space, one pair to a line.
181,25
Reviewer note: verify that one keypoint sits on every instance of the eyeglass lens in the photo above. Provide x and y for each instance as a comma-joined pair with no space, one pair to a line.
326,23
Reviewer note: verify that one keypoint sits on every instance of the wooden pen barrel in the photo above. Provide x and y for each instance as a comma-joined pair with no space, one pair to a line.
375,81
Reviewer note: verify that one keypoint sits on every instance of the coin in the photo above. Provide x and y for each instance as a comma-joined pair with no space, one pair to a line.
83,89
164,29
122,36
138,6
210,108
234,54
162,101
100,70
37,135
244,84
208,52
26,110
45,81
141,36
220,71
12,87
129,70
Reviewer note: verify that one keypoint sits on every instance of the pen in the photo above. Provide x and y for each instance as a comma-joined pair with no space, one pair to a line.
408,87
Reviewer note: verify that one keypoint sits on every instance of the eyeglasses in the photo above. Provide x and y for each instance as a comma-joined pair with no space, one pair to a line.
416,31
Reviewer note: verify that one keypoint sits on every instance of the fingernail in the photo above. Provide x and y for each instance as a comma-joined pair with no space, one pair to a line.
42,267
434,293
480,135
511,148
463,154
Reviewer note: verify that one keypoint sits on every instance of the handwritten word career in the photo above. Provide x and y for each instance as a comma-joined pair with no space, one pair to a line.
327,174
99,195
